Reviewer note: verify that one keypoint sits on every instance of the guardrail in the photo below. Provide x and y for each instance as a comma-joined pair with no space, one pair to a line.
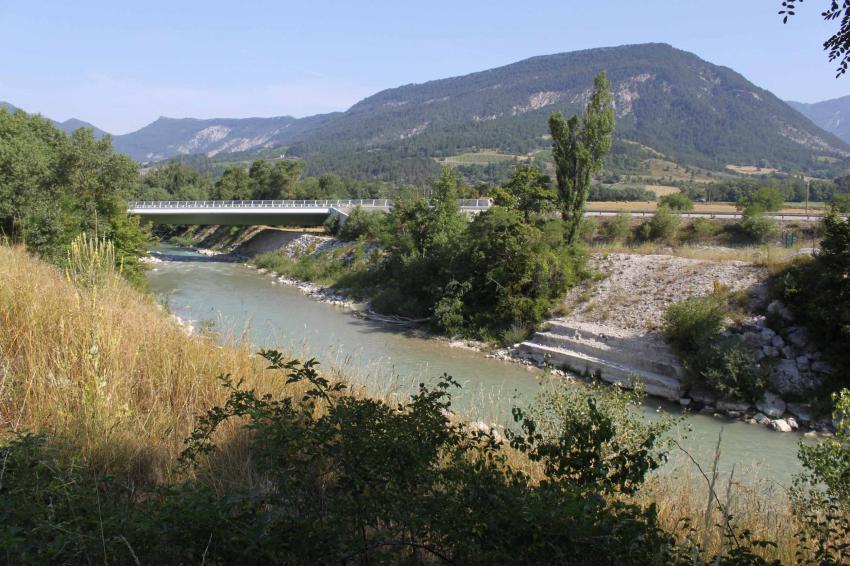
229,204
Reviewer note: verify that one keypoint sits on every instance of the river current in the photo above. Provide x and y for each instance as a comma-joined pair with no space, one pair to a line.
236,300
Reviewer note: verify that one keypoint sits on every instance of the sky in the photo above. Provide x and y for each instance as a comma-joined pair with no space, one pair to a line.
120,65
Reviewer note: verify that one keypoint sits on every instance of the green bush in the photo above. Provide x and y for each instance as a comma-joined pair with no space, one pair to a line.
757,226
361,224
618,228
692,324
677,201
728,367
662,226
703,229
588,229
818,291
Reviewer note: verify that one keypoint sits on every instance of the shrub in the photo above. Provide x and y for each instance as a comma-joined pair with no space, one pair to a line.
757,226
677,201
728,367
361,224
588,229
703,229
662,226
693,323
618,228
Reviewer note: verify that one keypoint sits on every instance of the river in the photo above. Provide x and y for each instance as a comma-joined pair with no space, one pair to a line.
237,300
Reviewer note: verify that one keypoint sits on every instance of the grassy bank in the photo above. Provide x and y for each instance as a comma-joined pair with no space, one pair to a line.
105,369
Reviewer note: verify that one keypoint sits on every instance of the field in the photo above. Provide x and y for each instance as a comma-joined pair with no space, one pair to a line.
483,157
751,169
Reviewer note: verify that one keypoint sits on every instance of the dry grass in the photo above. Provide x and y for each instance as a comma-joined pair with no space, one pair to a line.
751,169
772,257
105,369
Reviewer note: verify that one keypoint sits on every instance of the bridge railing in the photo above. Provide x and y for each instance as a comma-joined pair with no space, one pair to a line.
340,203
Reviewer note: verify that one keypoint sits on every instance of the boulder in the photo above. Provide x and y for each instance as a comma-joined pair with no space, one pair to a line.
761,418
770,351
759,354
777,342
754,340
788,353
786,378
780,425
801,412
821,366
685,401
792,422
734,406
802,362
798,336
702,395
778,309
767,333
707,410
771,405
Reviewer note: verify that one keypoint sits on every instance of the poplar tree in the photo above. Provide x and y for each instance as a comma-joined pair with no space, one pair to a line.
579,148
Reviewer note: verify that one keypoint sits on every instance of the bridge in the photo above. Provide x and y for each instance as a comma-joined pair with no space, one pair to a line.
266,212
315,212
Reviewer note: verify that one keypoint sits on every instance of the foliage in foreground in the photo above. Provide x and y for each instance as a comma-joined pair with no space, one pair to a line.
346,479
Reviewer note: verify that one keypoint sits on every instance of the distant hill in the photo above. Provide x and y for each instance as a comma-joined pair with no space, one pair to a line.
68,126
169,137
831,115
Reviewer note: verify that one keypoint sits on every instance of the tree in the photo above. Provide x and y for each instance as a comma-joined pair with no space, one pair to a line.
578,148
677,201
838,45
234,184
768,199
530,191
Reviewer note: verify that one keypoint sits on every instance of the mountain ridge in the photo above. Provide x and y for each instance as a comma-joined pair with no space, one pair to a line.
832,115
668,100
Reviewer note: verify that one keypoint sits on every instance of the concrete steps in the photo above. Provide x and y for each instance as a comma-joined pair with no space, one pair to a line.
620,359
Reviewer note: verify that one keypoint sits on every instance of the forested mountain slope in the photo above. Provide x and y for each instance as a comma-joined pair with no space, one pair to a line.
68,126
667,99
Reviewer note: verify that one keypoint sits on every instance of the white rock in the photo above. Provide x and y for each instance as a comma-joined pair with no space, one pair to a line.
792,423
771,405
781,425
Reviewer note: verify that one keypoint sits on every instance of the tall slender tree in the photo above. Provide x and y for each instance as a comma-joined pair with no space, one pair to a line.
579,148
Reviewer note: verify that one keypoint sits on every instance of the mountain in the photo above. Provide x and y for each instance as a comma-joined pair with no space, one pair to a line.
169,137
669,100
68,126
831,115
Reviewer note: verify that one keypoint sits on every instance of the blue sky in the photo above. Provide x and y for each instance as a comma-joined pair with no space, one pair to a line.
120,65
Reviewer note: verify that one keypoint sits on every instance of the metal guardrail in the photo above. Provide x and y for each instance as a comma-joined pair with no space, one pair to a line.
230,204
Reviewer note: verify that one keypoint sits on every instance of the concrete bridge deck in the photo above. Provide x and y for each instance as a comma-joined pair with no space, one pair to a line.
315,212
267,212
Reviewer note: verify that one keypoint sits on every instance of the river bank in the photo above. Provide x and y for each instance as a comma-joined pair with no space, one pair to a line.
653,281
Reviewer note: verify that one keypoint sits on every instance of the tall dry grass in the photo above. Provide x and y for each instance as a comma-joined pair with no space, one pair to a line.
98,365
